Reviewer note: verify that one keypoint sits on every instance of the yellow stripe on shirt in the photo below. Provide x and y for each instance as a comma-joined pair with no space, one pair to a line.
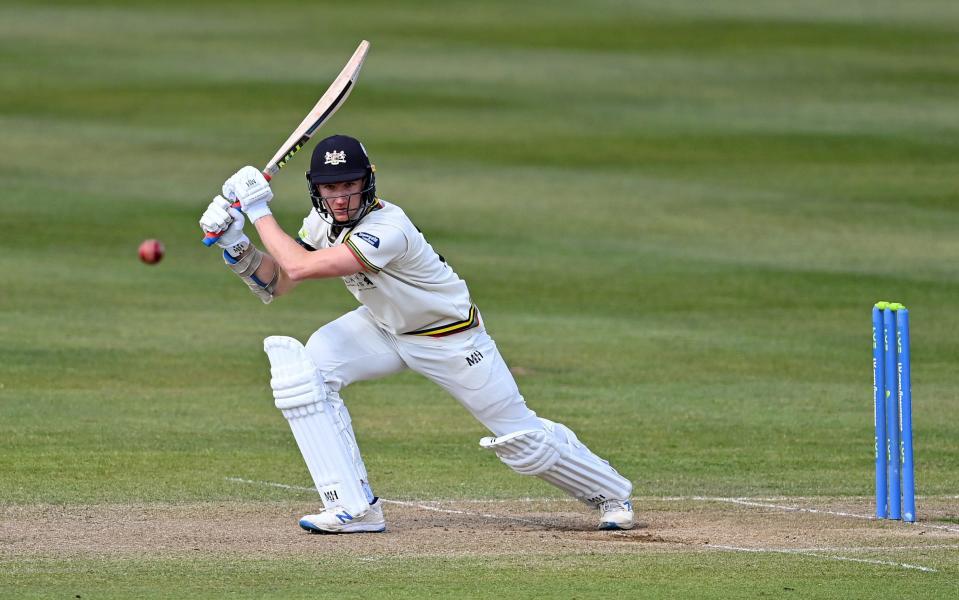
450,328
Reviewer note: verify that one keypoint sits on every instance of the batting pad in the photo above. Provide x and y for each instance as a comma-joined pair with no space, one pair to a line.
325,439
554,454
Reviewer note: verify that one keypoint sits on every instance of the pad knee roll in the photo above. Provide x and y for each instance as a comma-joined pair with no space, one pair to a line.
555,455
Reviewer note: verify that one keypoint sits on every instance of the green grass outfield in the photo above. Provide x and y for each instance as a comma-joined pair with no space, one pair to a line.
674,218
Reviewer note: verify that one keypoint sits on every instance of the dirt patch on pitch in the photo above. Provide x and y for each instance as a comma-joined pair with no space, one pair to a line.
458,528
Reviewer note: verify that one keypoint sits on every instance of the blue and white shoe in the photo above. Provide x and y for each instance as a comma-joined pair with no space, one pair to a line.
338,520
616,514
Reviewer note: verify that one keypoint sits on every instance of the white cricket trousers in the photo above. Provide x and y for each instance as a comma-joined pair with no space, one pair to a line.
467,365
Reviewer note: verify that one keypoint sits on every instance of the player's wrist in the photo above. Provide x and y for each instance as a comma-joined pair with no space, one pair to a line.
257,211
235,247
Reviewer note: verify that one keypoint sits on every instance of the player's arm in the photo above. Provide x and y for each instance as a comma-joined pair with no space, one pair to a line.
284,284
297,262
291,262
258,270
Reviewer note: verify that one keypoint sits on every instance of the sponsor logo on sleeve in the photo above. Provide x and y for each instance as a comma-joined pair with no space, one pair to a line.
372,240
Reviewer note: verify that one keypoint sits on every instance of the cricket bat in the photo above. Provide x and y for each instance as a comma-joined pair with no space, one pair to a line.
329,103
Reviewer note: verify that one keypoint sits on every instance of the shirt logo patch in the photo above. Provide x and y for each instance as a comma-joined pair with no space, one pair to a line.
359,282
335,158
372,240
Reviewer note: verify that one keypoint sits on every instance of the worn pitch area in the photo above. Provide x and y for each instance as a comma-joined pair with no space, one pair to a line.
471,528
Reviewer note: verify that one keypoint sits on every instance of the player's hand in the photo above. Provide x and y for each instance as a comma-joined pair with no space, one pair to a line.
250,188
222,219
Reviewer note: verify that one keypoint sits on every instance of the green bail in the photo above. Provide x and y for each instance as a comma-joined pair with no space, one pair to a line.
893,306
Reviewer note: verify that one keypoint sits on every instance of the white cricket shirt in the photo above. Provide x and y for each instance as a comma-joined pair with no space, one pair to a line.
406,286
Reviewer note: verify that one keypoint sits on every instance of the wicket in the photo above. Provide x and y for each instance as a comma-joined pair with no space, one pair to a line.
892,393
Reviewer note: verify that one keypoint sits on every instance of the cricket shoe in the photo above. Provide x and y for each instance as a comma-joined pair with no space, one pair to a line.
338,520
616,514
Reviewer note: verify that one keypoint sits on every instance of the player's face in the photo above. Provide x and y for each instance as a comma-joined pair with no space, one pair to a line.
342,199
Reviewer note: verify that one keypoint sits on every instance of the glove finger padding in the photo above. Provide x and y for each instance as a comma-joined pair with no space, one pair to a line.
216,218
233,240
222,202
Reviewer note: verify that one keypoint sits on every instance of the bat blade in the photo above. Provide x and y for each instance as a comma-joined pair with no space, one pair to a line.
329,103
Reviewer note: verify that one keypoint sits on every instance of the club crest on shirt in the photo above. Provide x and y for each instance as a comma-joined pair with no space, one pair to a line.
372,240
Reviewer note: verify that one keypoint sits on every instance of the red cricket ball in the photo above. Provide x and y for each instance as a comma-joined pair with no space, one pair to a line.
151,251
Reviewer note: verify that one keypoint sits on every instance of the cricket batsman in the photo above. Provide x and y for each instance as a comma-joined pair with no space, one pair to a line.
415,313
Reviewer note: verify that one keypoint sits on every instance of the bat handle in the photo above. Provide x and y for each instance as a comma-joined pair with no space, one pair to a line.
210,238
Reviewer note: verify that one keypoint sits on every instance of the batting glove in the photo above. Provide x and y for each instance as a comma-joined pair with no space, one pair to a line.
220,217
252,190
